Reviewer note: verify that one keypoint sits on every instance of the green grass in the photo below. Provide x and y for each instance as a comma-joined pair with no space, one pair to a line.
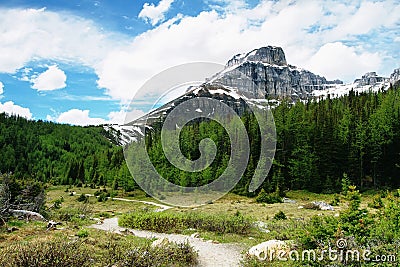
217,221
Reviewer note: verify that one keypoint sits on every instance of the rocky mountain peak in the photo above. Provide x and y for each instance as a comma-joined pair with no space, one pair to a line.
269,54
270,76
370,78
395,76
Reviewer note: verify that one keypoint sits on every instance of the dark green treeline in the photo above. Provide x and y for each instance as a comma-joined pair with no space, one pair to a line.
318,143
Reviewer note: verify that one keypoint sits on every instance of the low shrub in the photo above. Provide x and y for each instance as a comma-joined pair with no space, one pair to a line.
319,230
173,254
83,198
82,233
335,201
280,216
58,252
103,197
176,222
377,203
112,251
269,198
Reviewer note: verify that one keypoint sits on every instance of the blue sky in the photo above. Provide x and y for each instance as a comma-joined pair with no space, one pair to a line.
80,62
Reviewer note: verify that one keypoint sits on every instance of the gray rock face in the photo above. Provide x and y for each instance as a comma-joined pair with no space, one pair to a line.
266,71
269,54
395,76
370,78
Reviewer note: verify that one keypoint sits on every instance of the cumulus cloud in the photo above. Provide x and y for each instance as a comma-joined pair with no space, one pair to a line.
367,17
1,88
10,108
52,79
335,60
77,117
306,30
83,118
42,34
155,13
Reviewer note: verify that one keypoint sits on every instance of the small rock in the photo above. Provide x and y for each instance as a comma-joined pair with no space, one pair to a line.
52,225
195,235
127,232
215,242
322,205
262,226
288,200
12,229
300,207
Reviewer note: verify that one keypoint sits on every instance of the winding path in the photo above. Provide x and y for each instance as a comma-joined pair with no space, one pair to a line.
210,254
162,207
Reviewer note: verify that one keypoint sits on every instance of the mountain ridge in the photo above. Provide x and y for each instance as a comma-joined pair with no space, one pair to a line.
259,77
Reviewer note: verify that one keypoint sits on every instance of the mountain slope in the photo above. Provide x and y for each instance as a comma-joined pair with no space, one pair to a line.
259,77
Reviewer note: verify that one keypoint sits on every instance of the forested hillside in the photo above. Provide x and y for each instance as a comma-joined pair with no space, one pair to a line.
57,153
357,136
319,143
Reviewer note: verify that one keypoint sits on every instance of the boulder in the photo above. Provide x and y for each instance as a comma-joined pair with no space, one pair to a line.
268,250
27,214
322,205
288,200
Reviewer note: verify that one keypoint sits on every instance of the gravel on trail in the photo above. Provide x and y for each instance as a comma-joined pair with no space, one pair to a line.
210,254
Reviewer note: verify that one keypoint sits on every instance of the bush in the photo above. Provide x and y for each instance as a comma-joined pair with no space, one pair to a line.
82,233
320,230
176,222
269,198
397,193
335,201
57,252
110,250
280,216
83,198
377,203
173,254
103,197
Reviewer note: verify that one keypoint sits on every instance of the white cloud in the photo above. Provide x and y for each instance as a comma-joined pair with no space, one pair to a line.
1,88
83,118
227,5
77,117
335,60
362,20
154,14
305,30
52,79
42,34
10,108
